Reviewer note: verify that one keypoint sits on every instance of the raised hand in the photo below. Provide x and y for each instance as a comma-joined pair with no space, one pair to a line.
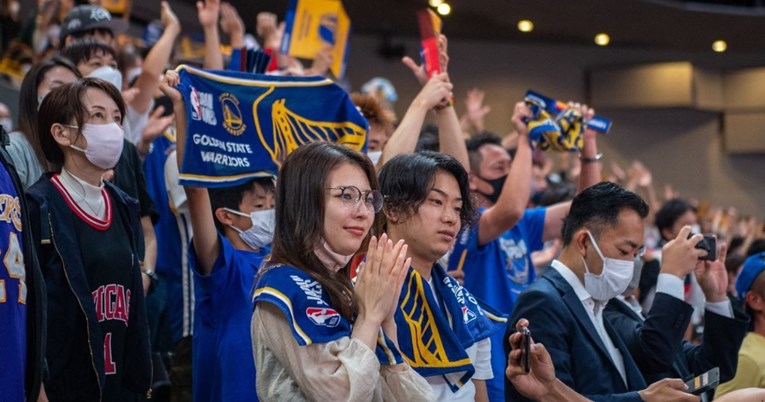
435,92
475,109
520,113
679,255
168,18
419,70
379,281
156,125
321,62
231,23
168,86
713,278
208,12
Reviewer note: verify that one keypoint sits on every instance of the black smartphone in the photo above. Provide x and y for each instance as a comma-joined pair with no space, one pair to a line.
526,348
708,243
704,382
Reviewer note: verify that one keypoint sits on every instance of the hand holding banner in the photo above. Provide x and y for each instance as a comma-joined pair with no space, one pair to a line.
557,127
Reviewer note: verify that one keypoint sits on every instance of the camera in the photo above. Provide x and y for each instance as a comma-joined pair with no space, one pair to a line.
708,243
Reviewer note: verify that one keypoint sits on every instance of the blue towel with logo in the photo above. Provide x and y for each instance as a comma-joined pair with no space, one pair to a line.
307,309
435,329
242,125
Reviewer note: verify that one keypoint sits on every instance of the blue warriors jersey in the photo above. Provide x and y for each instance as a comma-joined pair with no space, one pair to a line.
13,295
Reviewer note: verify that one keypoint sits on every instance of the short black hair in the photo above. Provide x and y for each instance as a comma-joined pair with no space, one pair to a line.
406,181
82,50
599,206
670,212
474,143
231,197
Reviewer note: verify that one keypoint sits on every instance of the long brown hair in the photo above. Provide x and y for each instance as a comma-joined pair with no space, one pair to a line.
300,200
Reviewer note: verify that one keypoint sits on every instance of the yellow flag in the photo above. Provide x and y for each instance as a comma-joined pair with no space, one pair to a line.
314,24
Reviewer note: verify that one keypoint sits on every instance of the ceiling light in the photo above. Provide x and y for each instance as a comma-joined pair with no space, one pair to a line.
719,46
602,39
435,3
444,8
525,26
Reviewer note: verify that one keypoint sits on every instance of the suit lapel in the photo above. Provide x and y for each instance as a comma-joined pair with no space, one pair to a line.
575,306
635,380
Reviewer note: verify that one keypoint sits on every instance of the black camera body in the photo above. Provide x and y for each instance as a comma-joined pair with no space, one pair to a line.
708,243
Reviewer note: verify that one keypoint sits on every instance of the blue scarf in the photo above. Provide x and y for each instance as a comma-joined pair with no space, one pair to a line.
434,330
242,125
307,309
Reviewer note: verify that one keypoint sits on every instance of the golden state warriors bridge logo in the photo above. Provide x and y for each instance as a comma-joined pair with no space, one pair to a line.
232,116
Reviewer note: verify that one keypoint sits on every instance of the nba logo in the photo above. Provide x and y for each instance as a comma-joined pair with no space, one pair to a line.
196,106
323,316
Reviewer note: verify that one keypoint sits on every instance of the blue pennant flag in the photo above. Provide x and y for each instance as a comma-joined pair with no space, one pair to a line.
241,125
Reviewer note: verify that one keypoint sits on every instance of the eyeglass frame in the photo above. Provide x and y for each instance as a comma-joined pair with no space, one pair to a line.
361,194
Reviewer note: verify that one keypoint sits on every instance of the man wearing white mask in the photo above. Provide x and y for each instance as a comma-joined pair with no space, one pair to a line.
602,238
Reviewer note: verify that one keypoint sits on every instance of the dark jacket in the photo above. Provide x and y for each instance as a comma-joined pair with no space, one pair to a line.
35,364
719,347
558,320
75,352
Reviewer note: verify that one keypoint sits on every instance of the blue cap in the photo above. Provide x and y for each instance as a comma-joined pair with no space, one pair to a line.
753,266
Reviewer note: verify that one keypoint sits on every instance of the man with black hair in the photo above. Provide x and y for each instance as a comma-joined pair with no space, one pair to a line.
443,331
494,256
602,238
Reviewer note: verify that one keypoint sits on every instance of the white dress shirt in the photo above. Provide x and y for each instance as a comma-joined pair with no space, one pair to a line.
594,310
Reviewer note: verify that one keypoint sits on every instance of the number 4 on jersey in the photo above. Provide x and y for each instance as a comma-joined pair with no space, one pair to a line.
14,263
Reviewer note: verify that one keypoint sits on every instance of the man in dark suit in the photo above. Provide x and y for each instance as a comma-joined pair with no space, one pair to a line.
724,328
602,238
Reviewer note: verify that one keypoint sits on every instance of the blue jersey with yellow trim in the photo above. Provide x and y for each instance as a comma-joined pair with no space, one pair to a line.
13,294
224,367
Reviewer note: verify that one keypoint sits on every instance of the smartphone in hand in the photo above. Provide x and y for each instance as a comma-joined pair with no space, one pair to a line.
704,382
526,349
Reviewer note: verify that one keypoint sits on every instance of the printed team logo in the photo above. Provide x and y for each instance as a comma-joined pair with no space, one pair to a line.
232,116
467,315
100,14
516,263
202,107
323,316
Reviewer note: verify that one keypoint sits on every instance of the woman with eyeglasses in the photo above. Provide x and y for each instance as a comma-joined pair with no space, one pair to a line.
315,335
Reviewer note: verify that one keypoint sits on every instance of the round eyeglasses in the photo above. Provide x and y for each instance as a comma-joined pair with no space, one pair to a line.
351,195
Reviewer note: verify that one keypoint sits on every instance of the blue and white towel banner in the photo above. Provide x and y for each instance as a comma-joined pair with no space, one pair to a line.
241,125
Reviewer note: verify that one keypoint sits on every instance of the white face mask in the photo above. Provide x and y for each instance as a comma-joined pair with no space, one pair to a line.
695,228
374,156
7,123
261,234
636,273
110,74
612,281
104,144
